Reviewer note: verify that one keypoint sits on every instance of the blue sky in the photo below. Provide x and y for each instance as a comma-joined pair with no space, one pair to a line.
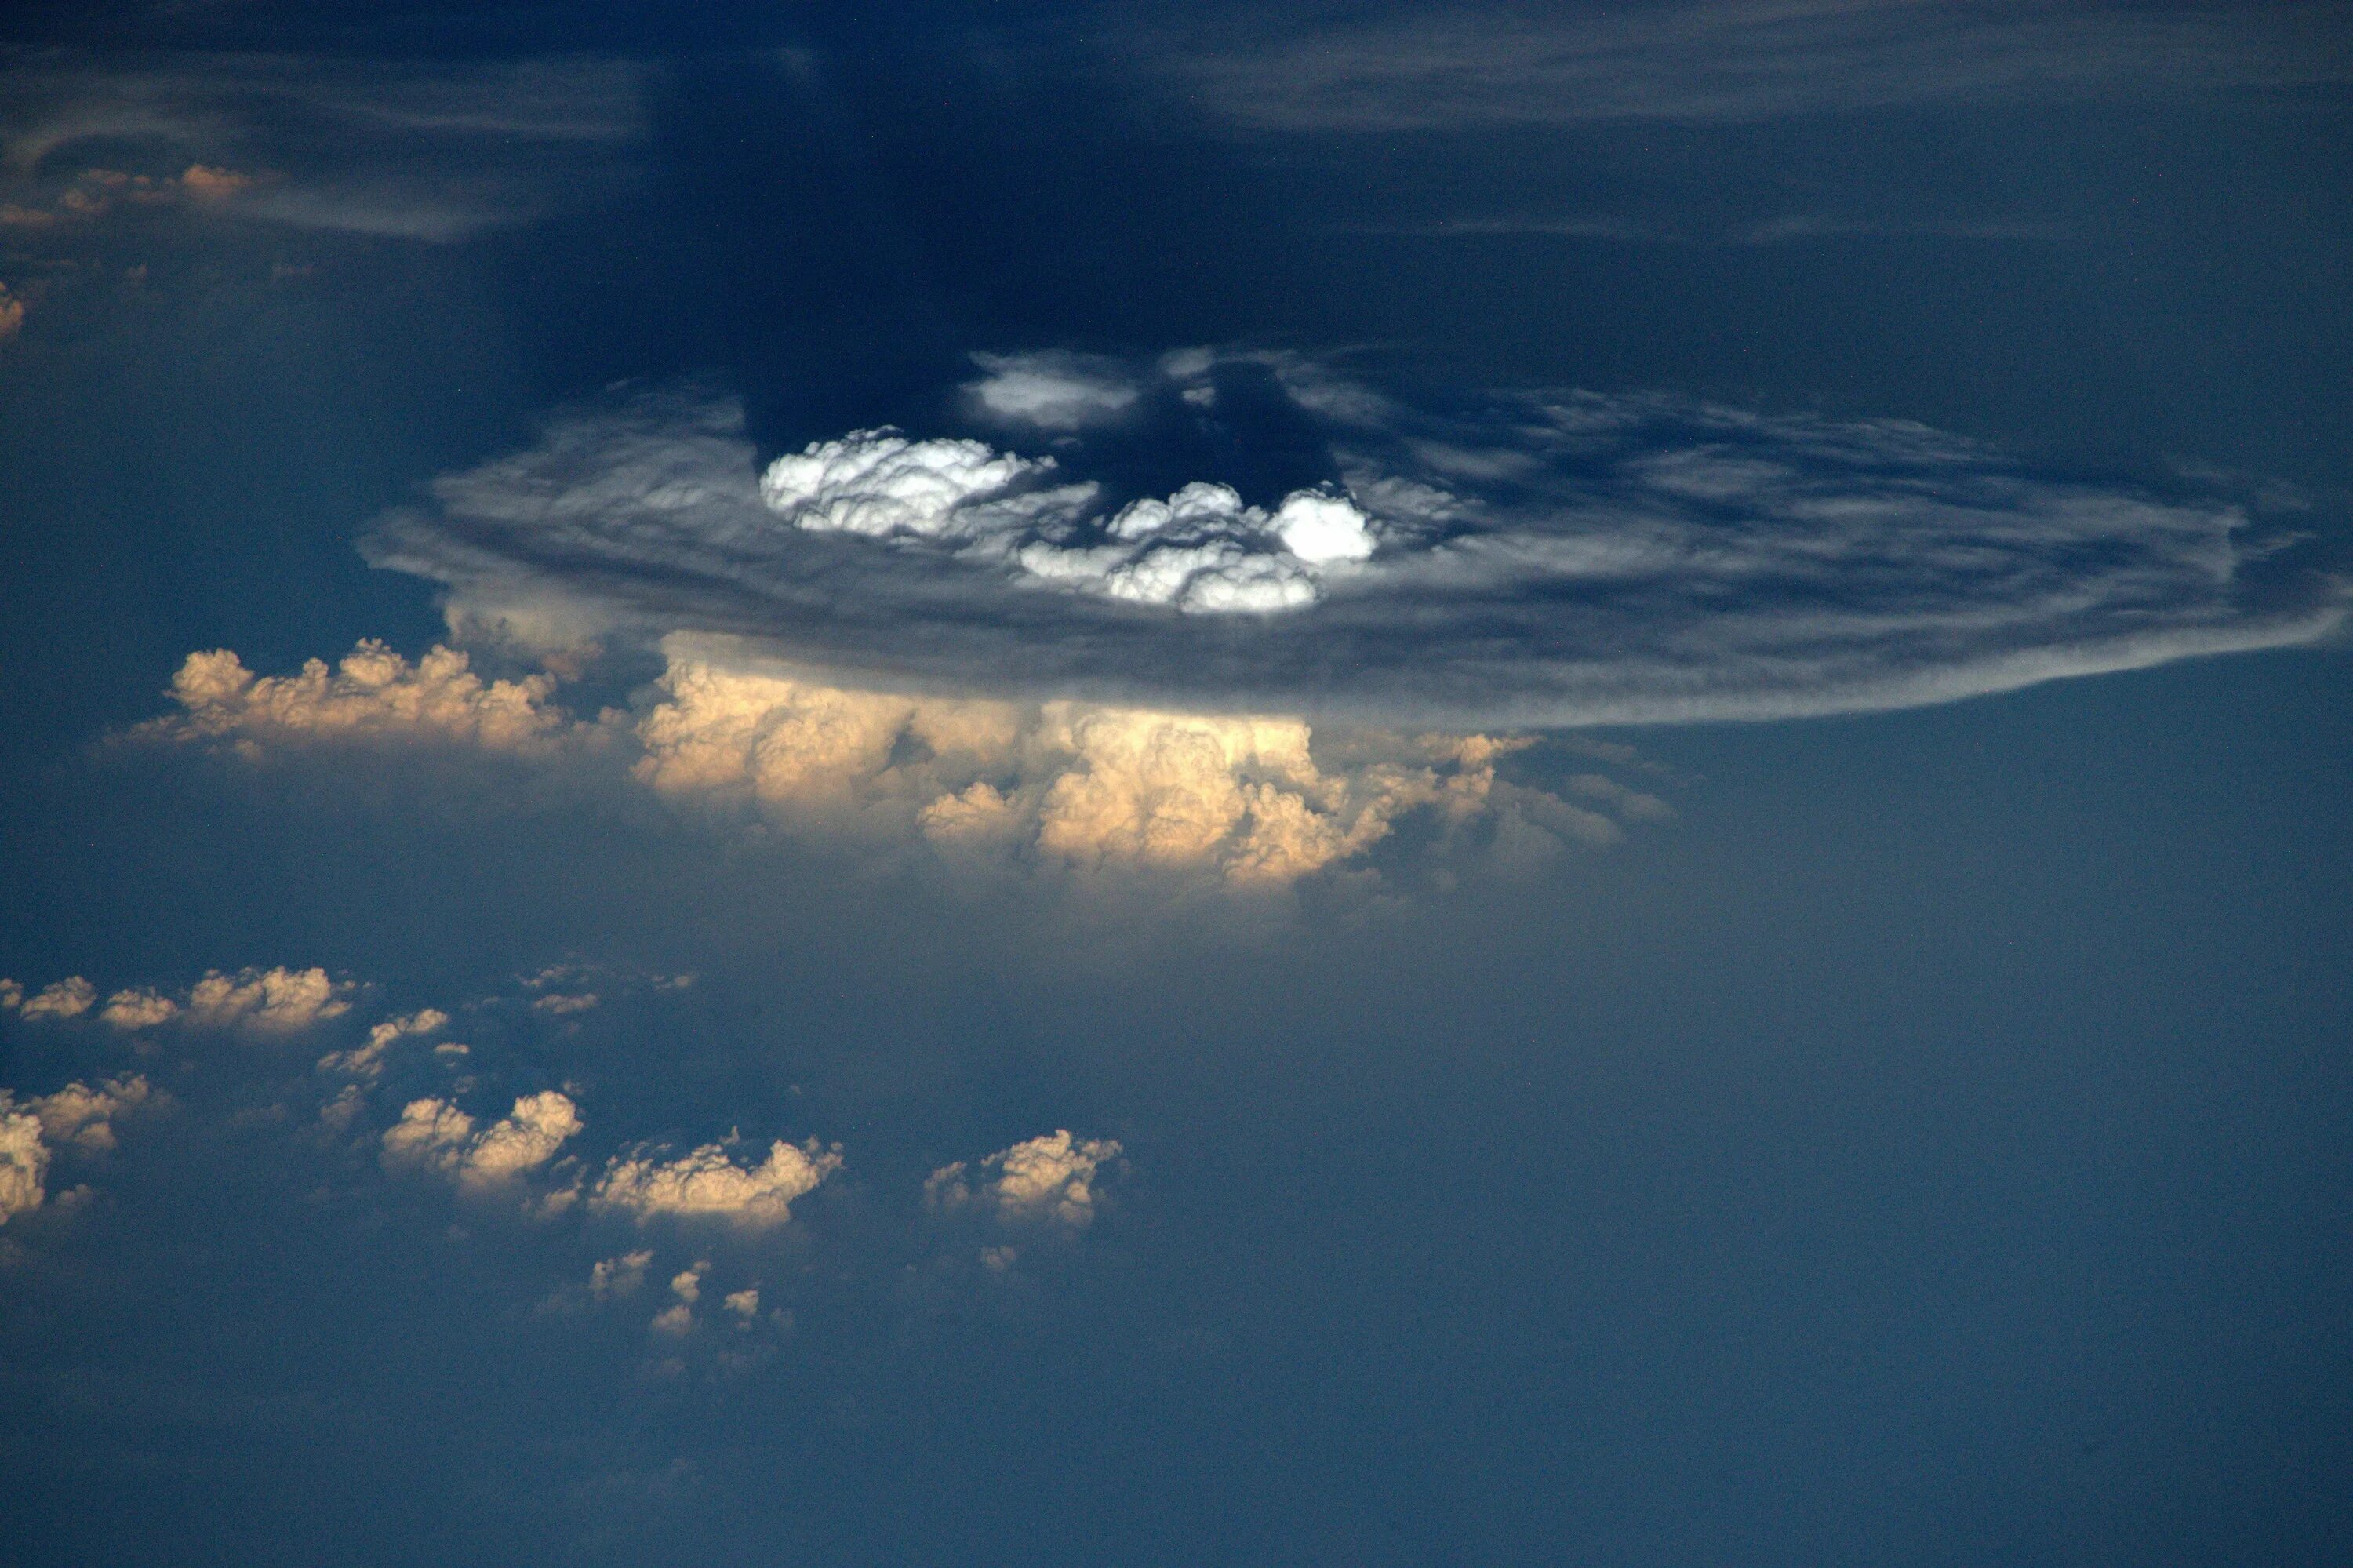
1275,785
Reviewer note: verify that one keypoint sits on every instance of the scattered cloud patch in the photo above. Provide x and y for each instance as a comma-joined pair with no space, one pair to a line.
267,1001
24,1160
83,1117
433,1135
77,1119
708,1182
621,1276
1050,1178
373,692
368,1060
67,998
141,1007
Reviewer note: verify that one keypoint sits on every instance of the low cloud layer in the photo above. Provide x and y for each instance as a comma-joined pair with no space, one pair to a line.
1511,559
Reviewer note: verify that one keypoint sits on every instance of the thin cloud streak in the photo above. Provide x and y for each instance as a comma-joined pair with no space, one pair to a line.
1740,62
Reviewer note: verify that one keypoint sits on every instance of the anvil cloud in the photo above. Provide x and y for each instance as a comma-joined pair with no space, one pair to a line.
1518,559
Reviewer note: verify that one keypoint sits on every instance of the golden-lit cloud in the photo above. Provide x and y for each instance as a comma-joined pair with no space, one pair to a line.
1071,787
1049,1178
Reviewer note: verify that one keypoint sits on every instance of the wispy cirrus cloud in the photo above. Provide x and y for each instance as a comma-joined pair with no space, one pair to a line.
401,149
1753,59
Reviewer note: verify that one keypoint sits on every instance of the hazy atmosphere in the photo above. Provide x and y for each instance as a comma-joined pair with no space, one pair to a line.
1265,785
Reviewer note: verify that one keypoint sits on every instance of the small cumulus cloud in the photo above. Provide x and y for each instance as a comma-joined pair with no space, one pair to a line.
24,1160
621,1276
141,1007
83,1117
1050,1178
435,1136
373,692
67,998
78,1119
367,1060
708,1182
267,1001
275,1001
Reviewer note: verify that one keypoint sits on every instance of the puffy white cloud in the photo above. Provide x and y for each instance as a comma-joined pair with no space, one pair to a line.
1544,558
745,1303
84,1116
1201,550
433,1135
24,1160
1052,391
1049,1178
373,692
275,1001
368,1060
880,483
11,995
707,1183
68,998
142,1007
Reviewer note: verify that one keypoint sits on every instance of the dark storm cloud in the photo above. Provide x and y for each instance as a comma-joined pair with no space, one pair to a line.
1536,558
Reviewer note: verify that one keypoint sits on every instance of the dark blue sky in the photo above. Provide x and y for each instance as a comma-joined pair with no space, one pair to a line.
1362,1036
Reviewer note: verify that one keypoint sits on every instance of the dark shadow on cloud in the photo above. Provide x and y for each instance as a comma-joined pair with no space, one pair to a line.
1536,558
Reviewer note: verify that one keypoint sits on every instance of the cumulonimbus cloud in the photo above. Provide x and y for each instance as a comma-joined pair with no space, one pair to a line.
1514,559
